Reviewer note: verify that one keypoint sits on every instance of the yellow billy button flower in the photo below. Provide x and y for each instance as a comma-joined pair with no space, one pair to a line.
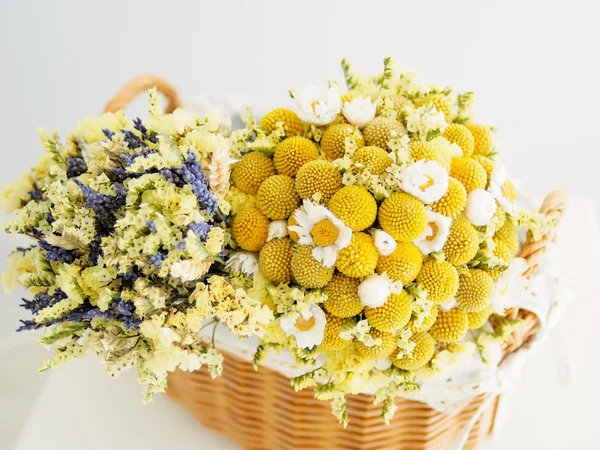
462,243
450,326
342,296
292,124
374,159
403,264
422,150
441,103
426,180
292,153
483,138
393,314
275,260
403,216
435,235
277,197
308,328
427,322
333,141
307,271
509,235
439,279
461,136
358,259
469,172
420,355
479,319
453,201
355,206
475,290
251,170
332,339
381,130
318,177
383,350
400,104
250,229
487,164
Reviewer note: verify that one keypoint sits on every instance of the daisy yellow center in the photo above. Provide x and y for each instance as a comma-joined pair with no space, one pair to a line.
434,231
303,324
427,184
324,233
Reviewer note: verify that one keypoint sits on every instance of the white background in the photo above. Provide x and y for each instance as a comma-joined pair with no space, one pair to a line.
533,65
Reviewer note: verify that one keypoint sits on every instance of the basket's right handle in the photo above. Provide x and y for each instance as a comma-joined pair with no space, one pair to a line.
140,84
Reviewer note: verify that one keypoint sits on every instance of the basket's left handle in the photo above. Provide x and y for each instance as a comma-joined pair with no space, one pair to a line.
140,84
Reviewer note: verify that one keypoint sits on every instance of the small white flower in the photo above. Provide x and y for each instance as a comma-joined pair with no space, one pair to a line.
449,304
308,327
481,206
385,243
510,287
496,188
435,235
317,106
359,111
277,229
244,262
426,180
375,290
425,119
189,270
383,363
319,227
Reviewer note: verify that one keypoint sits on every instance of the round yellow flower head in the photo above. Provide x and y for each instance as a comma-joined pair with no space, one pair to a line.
291,122
375,159
358,259
393,314
342,296
399,103
318,177
509,235
331,338
441,103
421,354
275,259
483,138
381,130
503,251
250,228
462,243
450,326
277,197
474,290
422,150
333,141
354,206
487,164
439,279
387,347
403,216
292,153
461,136
307,271
478,319
427,321
403,264
454,200
469,172
250,171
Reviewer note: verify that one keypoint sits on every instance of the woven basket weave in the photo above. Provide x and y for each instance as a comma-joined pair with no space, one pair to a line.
261,410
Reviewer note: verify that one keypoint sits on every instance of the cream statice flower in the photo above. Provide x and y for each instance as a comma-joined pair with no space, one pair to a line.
435,235
189,270
317,106
496,188
426,180
385,243
277,229
375,289
359,111
425,120
243,262
17,193
445,150
510,287
481,206
318,226
308,327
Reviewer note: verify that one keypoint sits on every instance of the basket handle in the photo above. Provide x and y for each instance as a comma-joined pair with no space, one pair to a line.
140,84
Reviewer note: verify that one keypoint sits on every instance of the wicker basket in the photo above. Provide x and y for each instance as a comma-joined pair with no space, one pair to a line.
260,409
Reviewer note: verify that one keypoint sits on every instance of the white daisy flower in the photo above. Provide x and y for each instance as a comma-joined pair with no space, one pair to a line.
510,287
375,289
359,111
481,206
426,180
318,226
244,262
435,235
189,270
277,229
317,106
496,188
308,327
385,243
